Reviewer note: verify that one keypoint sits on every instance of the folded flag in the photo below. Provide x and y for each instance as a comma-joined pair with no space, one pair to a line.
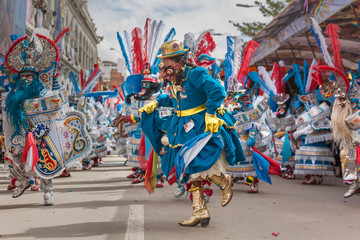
151,170
188,152
264,166
30,154
172,177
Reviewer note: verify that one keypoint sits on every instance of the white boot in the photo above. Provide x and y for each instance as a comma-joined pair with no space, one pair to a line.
48,199
21,186
354,187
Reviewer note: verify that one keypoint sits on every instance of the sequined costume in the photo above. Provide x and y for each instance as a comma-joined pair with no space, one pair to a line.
314,158
34,114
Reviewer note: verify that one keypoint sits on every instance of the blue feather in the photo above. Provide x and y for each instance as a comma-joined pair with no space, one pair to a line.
14,37
316,37
286,150
124,52
74,82
229,58
288,75
15,100
155,65
305,73
254,76
298,79
107,94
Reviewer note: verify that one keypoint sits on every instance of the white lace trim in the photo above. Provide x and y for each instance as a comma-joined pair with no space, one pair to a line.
218,168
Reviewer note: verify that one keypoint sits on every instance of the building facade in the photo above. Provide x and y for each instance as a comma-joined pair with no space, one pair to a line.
79,46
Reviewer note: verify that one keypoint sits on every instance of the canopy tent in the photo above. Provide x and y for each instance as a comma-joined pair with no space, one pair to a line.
288,37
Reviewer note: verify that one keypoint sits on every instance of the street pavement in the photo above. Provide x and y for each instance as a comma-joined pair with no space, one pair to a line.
101,203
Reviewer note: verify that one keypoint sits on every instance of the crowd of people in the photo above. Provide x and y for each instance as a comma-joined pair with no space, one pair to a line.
182,117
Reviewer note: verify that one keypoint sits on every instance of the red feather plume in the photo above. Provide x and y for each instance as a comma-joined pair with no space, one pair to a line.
248,54
62,34
317,77
119,91
96,69
147,33
137,50
96,88
333,32
277,77
82,80
206,45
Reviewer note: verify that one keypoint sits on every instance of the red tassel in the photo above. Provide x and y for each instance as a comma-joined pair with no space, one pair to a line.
148,186
358,154
248,54
333,32
61,34
141,152
273,139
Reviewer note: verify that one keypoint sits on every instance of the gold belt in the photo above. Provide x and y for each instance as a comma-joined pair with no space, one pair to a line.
191,111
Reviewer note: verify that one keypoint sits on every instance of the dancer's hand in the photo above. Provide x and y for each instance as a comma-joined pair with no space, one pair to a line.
150,107
212,123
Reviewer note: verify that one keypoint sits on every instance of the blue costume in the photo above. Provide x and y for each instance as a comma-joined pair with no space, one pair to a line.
199,94
194,141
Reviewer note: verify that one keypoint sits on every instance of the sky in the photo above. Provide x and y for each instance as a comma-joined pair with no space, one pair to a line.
185,16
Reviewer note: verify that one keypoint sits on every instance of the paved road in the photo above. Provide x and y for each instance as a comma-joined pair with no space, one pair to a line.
103,204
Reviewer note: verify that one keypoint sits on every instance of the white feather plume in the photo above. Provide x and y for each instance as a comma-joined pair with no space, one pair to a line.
201,36
128,47
324,46
157,41
309,78
266,76
238,44
151,40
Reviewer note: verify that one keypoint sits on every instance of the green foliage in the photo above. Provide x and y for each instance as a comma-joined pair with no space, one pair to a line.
249,28
271,8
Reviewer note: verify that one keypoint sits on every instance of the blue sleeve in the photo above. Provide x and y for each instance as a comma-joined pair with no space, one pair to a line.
215,93
164,100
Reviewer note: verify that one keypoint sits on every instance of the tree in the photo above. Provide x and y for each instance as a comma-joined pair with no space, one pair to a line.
271,8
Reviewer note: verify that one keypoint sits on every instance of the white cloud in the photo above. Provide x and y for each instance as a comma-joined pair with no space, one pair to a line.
185,16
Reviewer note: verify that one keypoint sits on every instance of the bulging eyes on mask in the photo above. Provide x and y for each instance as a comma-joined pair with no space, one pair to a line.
169,71
26,76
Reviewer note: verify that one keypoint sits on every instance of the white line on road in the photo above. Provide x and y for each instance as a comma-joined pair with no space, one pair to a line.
135,227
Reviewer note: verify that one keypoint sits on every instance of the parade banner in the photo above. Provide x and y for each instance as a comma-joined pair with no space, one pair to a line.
326,8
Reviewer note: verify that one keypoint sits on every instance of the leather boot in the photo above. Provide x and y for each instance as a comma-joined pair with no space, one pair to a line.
224,182
354,187
200,212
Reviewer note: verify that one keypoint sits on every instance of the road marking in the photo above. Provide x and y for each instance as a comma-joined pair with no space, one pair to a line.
135,227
